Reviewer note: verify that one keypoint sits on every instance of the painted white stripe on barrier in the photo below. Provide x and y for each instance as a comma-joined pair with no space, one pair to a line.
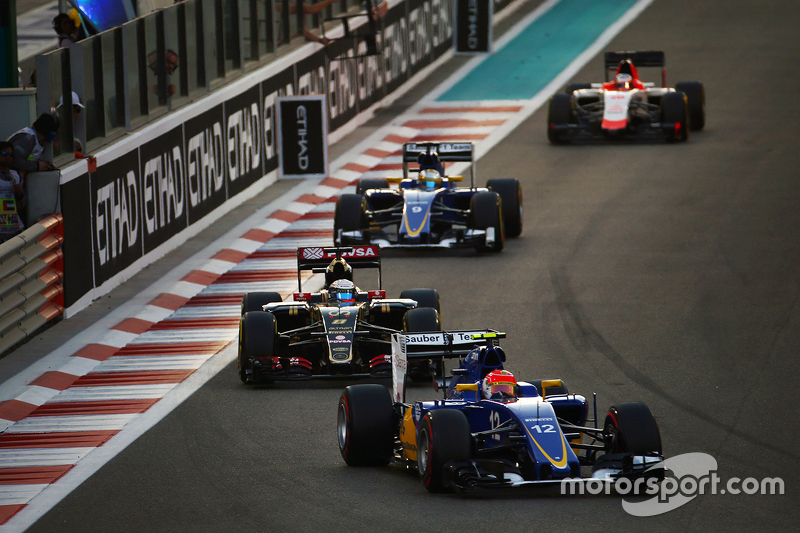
154,313
274,225
234,288
216,266
27,457
466,116
247,246
312,224
36,395
325,191
186,289
284,243
53,424
118,392
197,311
141,363
78,366
117,338
266,264
19,494
329,207
171,336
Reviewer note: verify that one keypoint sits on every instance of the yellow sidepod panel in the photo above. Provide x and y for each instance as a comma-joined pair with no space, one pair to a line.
408,435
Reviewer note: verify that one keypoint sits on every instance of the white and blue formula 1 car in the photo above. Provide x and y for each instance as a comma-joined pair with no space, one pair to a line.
627,108
428,209
486,433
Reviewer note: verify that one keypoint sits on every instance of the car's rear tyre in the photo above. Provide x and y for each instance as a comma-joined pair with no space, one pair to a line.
424,298
350,215
696,99
366,425
258,338
366,184
632,428
551,391
572,87
486,212
255,301
559,113
510,192
422,320
443,435
674,110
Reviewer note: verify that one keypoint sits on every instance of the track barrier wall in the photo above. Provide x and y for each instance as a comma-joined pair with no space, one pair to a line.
31,291
160,185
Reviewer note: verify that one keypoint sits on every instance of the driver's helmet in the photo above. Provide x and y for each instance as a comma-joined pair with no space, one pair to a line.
343,290
499,385
429,179
624,81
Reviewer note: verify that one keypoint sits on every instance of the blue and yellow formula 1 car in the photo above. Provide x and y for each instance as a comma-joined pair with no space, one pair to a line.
490,431
428,209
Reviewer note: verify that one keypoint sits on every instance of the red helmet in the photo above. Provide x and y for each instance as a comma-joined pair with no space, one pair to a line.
499,384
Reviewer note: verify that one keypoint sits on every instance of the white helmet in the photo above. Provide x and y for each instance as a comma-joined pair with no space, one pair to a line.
343,290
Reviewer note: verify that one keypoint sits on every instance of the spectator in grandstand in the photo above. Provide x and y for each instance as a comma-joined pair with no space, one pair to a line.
29,145
11,194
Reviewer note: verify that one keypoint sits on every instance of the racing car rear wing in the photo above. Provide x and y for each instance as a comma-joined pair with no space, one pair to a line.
644,58
317,259
449,152
433,345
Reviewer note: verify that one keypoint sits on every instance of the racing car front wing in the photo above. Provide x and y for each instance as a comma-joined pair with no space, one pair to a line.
461,238
499,473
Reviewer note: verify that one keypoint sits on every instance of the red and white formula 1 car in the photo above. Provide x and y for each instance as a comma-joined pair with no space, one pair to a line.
626,107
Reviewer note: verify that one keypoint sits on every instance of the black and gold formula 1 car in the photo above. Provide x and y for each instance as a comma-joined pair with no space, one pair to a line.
339,331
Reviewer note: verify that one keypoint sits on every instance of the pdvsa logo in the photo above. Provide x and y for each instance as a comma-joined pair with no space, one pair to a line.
359,251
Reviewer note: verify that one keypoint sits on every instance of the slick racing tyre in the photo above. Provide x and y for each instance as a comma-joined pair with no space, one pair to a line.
674,110
366,184
559,113
631,428
572,87
486,212
510,192
443,435
254,301
696,98
366,425
258,338
424,298
350,215
422,320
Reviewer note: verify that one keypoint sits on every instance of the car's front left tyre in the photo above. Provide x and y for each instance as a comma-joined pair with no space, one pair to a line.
443,435
632,428
366,425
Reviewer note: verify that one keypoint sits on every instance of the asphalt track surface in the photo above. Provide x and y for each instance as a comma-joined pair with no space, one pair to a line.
668,274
